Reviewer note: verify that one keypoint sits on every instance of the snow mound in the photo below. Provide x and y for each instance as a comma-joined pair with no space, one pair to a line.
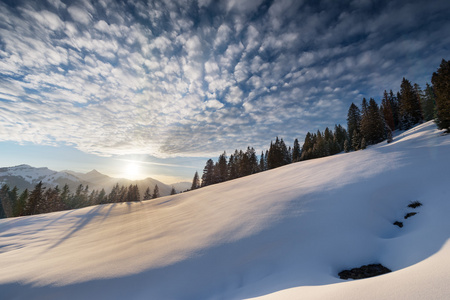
281,234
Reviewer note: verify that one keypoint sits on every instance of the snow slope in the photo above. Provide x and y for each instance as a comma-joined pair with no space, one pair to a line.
281,234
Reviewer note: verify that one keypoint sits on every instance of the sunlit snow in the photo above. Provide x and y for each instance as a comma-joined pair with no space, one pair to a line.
281,234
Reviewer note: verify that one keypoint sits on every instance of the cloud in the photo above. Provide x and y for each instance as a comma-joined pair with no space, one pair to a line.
79,14
171,79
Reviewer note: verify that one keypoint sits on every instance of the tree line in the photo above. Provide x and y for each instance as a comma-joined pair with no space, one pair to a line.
367,125
47,199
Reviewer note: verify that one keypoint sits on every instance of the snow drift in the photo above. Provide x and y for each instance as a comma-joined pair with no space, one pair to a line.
281,234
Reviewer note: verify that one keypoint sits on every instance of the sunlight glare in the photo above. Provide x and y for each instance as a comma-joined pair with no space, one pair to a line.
132,170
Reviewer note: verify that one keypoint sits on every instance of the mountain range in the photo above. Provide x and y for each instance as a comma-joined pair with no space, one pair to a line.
26,177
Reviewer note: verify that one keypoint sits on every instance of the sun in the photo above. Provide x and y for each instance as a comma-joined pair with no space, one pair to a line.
132,170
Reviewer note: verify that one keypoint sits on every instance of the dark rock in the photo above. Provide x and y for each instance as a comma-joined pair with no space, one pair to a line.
399,224
364,272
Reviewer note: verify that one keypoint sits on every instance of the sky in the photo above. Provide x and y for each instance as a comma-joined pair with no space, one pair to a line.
158,87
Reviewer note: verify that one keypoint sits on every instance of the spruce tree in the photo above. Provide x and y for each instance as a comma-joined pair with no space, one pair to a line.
155,192
441,83
386,111
308,145
148,195
356,140
208,173
429,104
346,146
222,168
353,124
410,111
173,191
372,123
296,152
35,200
21,204
6,209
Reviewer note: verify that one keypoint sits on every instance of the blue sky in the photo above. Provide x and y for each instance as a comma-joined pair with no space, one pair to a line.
172,83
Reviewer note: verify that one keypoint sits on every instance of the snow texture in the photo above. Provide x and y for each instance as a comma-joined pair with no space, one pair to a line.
281,234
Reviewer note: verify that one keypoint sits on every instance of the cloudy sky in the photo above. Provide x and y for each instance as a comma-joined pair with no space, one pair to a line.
91,84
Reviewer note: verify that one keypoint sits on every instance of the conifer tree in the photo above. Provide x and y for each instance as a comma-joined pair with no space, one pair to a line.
353,124
346,146
222,168
296,152
386,111
429,104
35,200
232,167
114,194
208,173
441,83
356,140
372,123
262,164
173,191
6,210
410,111
308,146
363,143
21,204
155,192
148,195
65,197
102,198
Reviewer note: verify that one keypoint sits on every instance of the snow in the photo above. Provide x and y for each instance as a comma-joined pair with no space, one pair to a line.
280,234
34,175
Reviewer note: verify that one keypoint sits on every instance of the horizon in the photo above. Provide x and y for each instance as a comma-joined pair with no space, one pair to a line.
137,90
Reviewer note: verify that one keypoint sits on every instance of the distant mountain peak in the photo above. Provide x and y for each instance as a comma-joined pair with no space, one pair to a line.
94,172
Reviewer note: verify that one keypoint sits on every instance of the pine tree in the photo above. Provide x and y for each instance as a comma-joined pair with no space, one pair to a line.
35,200
386,111
346,146
353,124
21,204
208,173
6,209
429,104
363,144
262,164
296,152
155,192
148,195
441,83
114,195
101,198
308,145
356,140
65,197
222,168
173,191
372,123
410,112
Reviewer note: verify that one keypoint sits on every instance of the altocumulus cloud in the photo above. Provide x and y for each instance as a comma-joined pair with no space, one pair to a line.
188,78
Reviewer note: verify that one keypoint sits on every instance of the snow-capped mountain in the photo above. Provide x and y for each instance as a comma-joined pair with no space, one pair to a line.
281,234
26,177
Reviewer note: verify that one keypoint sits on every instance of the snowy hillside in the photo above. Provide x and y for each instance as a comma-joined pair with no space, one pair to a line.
281,234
